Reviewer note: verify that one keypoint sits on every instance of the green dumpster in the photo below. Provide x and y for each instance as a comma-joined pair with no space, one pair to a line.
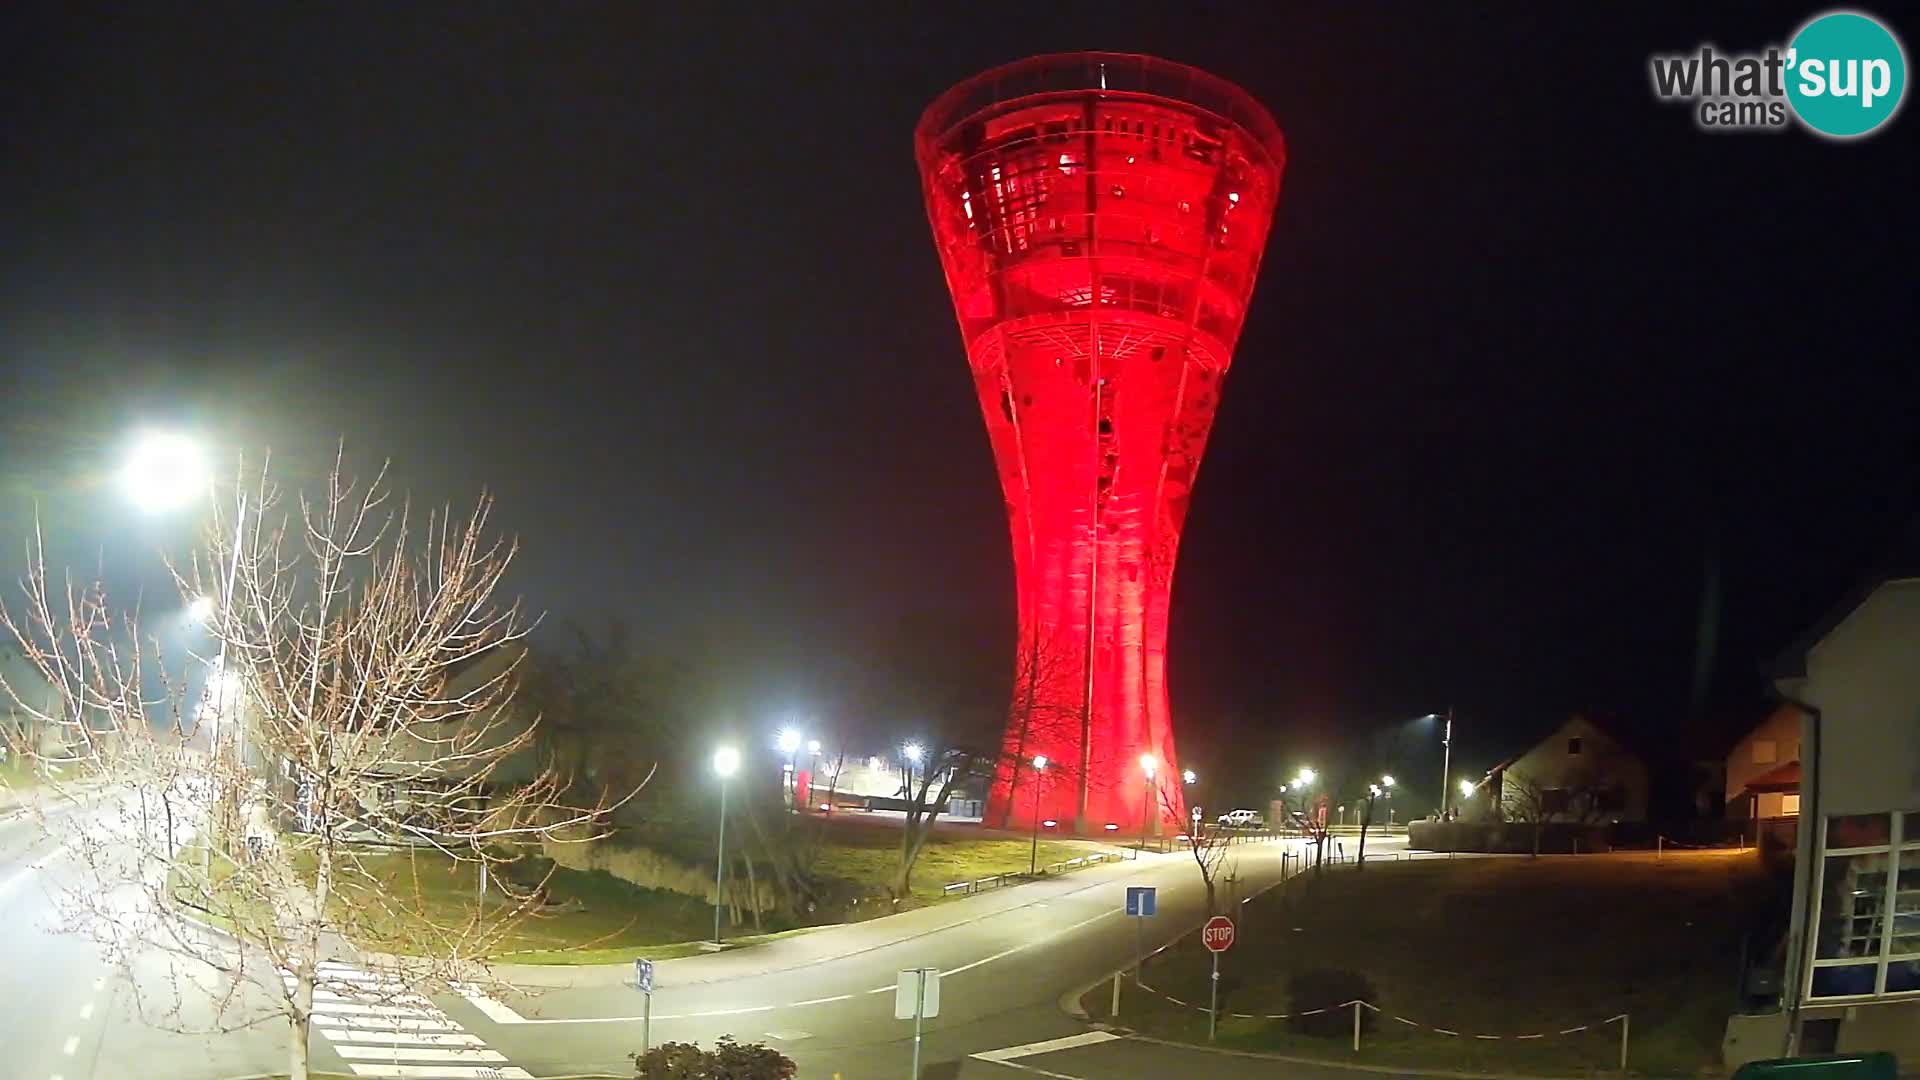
1832,1067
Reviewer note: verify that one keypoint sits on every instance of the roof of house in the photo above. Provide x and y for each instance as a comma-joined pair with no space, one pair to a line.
1900,563
1782,778
1604,729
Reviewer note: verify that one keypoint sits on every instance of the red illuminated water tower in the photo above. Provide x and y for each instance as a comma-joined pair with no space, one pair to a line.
1100,217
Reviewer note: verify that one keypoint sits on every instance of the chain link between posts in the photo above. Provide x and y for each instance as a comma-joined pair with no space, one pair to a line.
1371,1007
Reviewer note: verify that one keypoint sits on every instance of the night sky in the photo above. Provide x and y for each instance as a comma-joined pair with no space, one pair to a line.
1530,357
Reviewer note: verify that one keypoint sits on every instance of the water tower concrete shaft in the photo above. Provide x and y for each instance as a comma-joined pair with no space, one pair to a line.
1100,218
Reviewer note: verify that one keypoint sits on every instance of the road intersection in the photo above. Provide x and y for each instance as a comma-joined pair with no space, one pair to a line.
823,998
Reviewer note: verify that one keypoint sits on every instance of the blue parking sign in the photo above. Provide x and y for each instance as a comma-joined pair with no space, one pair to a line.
1140,901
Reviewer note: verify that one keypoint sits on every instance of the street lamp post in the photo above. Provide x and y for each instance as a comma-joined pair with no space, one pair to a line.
1446,762
1033,855
1148,764
726,761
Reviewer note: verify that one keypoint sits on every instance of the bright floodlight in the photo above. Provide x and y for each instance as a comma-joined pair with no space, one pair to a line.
1466,788
1373,789
1386,781
200,609
913,752
789,740
1148,763
1306,777
1189,776
726,761
1039,762
813,746
165,470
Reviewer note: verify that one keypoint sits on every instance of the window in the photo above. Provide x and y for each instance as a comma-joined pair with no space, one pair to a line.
1789,805
1573,746
1867,942
1764,751
1554,801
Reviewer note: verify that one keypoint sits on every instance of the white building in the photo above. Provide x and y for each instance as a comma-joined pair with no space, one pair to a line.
1853,968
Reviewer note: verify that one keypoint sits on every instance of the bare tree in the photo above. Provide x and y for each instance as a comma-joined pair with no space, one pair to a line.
1525,799
1036,717
364,691
1208,845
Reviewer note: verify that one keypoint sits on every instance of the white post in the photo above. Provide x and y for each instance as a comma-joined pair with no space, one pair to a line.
919,1006
1356,1026
1624,1021
1659,846
1113,1009
646,1024
1213,1001
483,879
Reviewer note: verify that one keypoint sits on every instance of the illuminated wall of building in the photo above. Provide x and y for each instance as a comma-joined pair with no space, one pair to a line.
1100,218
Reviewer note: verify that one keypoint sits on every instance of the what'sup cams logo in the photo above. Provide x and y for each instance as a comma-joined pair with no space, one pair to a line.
1842,76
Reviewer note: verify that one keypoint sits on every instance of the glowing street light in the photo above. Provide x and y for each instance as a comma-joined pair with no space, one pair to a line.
1189,776
813,746
1033,852
913,752
789,741
726,762
165,470
1466,789
200,609
1148,766
1386,781
1306,778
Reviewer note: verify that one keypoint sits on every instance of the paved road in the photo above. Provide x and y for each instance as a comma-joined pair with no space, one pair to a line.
824,998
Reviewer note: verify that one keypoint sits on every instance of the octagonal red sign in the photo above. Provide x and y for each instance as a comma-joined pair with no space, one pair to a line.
1217,935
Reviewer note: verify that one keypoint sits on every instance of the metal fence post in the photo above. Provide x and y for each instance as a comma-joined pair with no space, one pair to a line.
1356,1026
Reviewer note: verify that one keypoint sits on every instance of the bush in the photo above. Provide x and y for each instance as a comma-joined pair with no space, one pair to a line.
1327,989
728,1060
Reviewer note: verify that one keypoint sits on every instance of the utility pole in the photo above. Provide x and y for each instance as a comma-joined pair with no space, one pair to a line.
1446,764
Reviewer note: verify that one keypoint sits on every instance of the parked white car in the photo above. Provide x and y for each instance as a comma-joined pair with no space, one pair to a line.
1242,819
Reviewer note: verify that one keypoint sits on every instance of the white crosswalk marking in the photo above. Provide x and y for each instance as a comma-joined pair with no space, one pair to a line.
382,1037
381,1031
419,1053
440,1071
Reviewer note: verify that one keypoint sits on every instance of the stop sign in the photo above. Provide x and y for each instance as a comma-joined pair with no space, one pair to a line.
1217,935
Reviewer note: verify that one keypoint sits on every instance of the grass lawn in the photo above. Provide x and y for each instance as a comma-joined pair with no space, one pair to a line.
598,918
1507,946
865,853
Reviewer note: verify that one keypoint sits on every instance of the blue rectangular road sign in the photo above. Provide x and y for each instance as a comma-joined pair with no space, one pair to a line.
1140,902
643,975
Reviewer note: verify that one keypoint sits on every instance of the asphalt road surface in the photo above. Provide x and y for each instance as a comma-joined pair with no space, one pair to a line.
824,998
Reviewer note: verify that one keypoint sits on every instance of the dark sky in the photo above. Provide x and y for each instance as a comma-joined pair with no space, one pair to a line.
1528,351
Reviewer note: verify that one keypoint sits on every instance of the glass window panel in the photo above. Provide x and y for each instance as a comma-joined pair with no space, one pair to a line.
1853,894
1910,829
1844,981
1906,907
1859,830
1903,975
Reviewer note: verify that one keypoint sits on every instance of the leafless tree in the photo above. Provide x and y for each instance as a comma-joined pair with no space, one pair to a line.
1036,716
1525,799
364,691
1208,845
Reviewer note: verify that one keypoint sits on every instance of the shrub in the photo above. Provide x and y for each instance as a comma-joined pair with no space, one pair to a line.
728,1060
1327,989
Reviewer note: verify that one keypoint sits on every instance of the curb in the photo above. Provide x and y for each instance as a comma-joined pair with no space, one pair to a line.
1388,1070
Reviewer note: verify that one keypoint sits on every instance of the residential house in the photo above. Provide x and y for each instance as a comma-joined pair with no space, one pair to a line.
1763,769
1853,954
1583,773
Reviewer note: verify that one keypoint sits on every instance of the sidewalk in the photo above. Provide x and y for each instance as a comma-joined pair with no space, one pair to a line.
834,942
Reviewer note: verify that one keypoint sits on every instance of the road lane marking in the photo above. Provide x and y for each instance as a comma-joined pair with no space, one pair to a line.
86,1011
497,1011
34,867
72,1044
1085,1038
